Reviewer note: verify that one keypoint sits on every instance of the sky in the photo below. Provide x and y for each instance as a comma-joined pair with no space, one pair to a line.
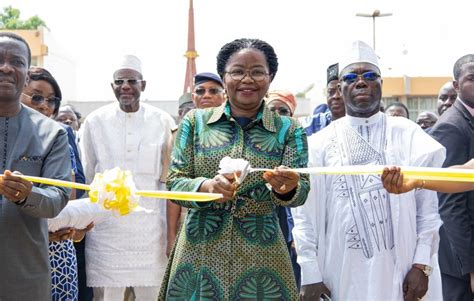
421,38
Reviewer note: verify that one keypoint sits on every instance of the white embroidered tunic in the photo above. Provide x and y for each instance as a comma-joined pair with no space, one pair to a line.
351,233
128,250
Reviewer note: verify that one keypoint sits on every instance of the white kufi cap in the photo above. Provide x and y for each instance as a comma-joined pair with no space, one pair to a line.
130,62
360,52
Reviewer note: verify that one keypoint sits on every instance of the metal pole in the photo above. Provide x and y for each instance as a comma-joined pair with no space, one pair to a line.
373,15
373,29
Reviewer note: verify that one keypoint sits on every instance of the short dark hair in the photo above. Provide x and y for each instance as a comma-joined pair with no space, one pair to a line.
11,35
236,45
468,58
400,105
38,73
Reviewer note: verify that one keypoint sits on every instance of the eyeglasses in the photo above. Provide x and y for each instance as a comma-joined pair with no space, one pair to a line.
36,99
212,91
425,122
131,82
370,76
255,74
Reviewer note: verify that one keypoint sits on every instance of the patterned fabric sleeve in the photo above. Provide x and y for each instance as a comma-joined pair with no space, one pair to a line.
296,156
181,175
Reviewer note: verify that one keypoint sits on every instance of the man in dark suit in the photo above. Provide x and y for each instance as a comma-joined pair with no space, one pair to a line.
455,130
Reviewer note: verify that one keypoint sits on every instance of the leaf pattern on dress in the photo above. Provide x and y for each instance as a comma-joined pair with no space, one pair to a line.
261,285
209,287
259,229
185,133
262,141
183,284
260,193
203,225
189,285
212,137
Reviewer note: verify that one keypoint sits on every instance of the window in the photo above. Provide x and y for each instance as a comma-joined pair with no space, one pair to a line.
389,100
416,105
34,61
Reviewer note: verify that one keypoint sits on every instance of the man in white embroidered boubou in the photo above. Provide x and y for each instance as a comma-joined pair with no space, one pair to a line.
128,251
355,241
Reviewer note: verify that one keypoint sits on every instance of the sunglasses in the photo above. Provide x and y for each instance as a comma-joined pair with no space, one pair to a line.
37,99
212,91
130,82
426,122
370,76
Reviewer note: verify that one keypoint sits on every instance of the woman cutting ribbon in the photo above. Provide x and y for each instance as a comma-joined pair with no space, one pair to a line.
225,246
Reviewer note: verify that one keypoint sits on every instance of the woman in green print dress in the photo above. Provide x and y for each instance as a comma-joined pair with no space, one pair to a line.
233,249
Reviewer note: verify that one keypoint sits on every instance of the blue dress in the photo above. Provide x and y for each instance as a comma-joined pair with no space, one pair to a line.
62,257
63,261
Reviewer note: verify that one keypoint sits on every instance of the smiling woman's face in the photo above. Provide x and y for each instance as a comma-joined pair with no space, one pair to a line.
45,91
246,95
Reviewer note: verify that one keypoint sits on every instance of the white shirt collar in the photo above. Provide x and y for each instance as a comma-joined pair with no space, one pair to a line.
132,114
355,121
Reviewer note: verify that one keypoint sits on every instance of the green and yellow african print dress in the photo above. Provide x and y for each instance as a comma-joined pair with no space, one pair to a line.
233,250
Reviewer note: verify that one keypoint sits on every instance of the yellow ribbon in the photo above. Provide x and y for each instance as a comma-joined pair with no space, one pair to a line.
114,190
421,173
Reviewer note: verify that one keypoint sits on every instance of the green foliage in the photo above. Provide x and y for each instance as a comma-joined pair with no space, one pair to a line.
10,19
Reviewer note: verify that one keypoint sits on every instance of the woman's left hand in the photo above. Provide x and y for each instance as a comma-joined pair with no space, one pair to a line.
281,179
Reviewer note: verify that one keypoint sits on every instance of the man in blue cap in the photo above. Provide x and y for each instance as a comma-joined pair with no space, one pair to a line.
208,90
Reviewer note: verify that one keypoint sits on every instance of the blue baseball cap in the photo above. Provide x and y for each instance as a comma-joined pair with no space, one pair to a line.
207,76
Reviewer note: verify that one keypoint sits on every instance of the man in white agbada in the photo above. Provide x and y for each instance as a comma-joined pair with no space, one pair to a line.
354,240
128,251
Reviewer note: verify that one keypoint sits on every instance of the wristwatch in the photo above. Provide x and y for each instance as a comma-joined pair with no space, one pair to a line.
426,269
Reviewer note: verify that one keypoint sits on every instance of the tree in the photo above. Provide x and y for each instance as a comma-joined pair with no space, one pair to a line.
10,19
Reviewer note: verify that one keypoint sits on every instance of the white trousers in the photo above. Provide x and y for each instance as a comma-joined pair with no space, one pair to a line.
149,293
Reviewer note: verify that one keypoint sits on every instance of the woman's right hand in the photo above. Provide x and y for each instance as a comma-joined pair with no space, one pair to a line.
224,184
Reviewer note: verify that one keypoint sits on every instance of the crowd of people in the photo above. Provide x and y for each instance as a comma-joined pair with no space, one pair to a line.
274,235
